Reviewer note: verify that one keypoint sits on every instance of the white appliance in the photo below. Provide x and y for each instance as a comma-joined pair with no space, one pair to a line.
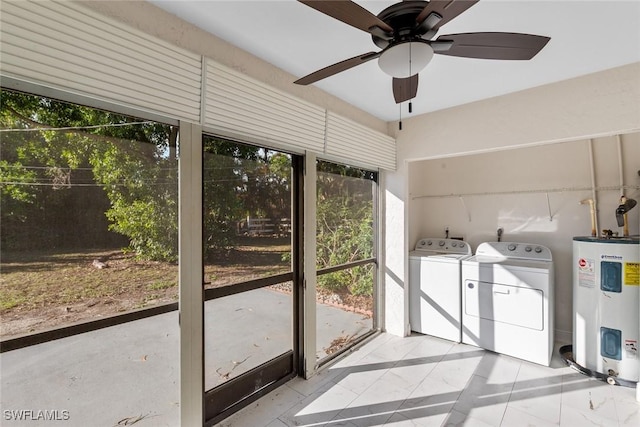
434,287
508,300
606,324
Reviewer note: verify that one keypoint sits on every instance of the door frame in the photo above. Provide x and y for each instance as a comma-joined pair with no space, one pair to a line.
235,394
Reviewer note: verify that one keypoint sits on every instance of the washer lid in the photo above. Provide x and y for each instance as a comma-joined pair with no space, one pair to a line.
437,257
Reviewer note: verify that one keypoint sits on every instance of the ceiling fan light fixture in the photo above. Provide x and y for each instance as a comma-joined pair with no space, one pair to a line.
405,59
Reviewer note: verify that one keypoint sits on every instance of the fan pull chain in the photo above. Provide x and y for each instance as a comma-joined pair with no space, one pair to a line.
400,121
410,107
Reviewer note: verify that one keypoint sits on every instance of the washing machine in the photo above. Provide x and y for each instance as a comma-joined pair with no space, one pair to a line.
508,300
434,287
606,292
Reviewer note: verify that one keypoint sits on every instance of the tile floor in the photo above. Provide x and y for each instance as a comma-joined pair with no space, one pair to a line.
425,381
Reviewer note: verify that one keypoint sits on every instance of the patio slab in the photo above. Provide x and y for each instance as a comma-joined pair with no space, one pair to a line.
118,374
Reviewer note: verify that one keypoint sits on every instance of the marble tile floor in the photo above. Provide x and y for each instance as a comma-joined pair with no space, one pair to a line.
425,381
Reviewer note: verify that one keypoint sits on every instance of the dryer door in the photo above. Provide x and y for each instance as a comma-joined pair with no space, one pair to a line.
513,305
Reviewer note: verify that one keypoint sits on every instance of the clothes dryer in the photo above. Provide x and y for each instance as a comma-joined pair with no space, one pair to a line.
508,300
434,287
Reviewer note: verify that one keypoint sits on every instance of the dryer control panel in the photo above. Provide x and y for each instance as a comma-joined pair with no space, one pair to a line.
443,246
517,250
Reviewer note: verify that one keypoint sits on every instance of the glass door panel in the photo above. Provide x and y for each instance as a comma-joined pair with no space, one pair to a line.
245,330
250,280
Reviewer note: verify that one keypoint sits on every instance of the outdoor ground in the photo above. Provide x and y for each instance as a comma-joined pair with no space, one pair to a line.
42,290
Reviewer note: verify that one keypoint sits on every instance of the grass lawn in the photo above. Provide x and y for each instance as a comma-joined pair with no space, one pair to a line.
41,290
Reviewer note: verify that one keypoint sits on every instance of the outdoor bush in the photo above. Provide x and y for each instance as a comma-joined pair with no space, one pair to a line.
344,228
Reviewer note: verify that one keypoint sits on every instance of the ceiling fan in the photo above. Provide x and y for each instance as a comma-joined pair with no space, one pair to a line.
405,32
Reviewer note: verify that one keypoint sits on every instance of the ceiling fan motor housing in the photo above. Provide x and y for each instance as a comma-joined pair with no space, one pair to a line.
402,18
405,52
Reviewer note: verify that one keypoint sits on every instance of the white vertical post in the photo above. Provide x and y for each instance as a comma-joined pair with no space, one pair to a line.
396,253
379,229
190,276
310,176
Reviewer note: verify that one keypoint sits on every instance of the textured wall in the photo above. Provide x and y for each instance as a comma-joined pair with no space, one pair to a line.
597,105
533,193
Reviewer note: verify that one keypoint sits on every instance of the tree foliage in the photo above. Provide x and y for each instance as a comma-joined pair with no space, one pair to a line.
241,181
221,181
66,158
344,226
86,170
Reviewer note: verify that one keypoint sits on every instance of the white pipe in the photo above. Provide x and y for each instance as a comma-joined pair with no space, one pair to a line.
592,211
593,188
620,168
625,222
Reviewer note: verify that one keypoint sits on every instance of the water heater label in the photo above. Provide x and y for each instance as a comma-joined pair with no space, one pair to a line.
631,348
586,273
632,273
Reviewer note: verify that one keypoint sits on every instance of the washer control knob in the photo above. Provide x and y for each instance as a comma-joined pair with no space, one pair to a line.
511,247
454,244
461,245
538,249
527,249
429,243
441,243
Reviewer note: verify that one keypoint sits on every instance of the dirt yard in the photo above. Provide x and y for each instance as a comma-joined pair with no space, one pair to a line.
44,290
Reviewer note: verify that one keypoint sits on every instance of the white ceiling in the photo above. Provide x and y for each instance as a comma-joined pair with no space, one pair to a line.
586,37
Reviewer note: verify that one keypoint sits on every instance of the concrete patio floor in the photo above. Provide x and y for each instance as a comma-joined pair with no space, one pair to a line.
118,374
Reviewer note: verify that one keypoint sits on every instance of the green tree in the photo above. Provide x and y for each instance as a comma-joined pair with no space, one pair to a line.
344,226
63,146
267,190
222,180
241,181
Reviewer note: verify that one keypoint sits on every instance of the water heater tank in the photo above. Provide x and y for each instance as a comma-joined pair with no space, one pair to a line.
606,305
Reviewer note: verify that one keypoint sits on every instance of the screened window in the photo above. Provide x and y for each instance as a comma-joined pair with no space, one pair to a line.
88,217
345,243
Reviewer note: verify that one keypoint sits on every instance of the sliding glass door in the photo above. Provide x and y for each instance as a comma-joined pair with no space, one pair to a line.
251,218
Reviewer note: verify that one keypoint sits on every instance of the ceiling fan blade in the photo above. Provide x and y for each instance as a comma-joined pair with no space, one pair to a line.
336,68
405,89
447,9
350,13
514,46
